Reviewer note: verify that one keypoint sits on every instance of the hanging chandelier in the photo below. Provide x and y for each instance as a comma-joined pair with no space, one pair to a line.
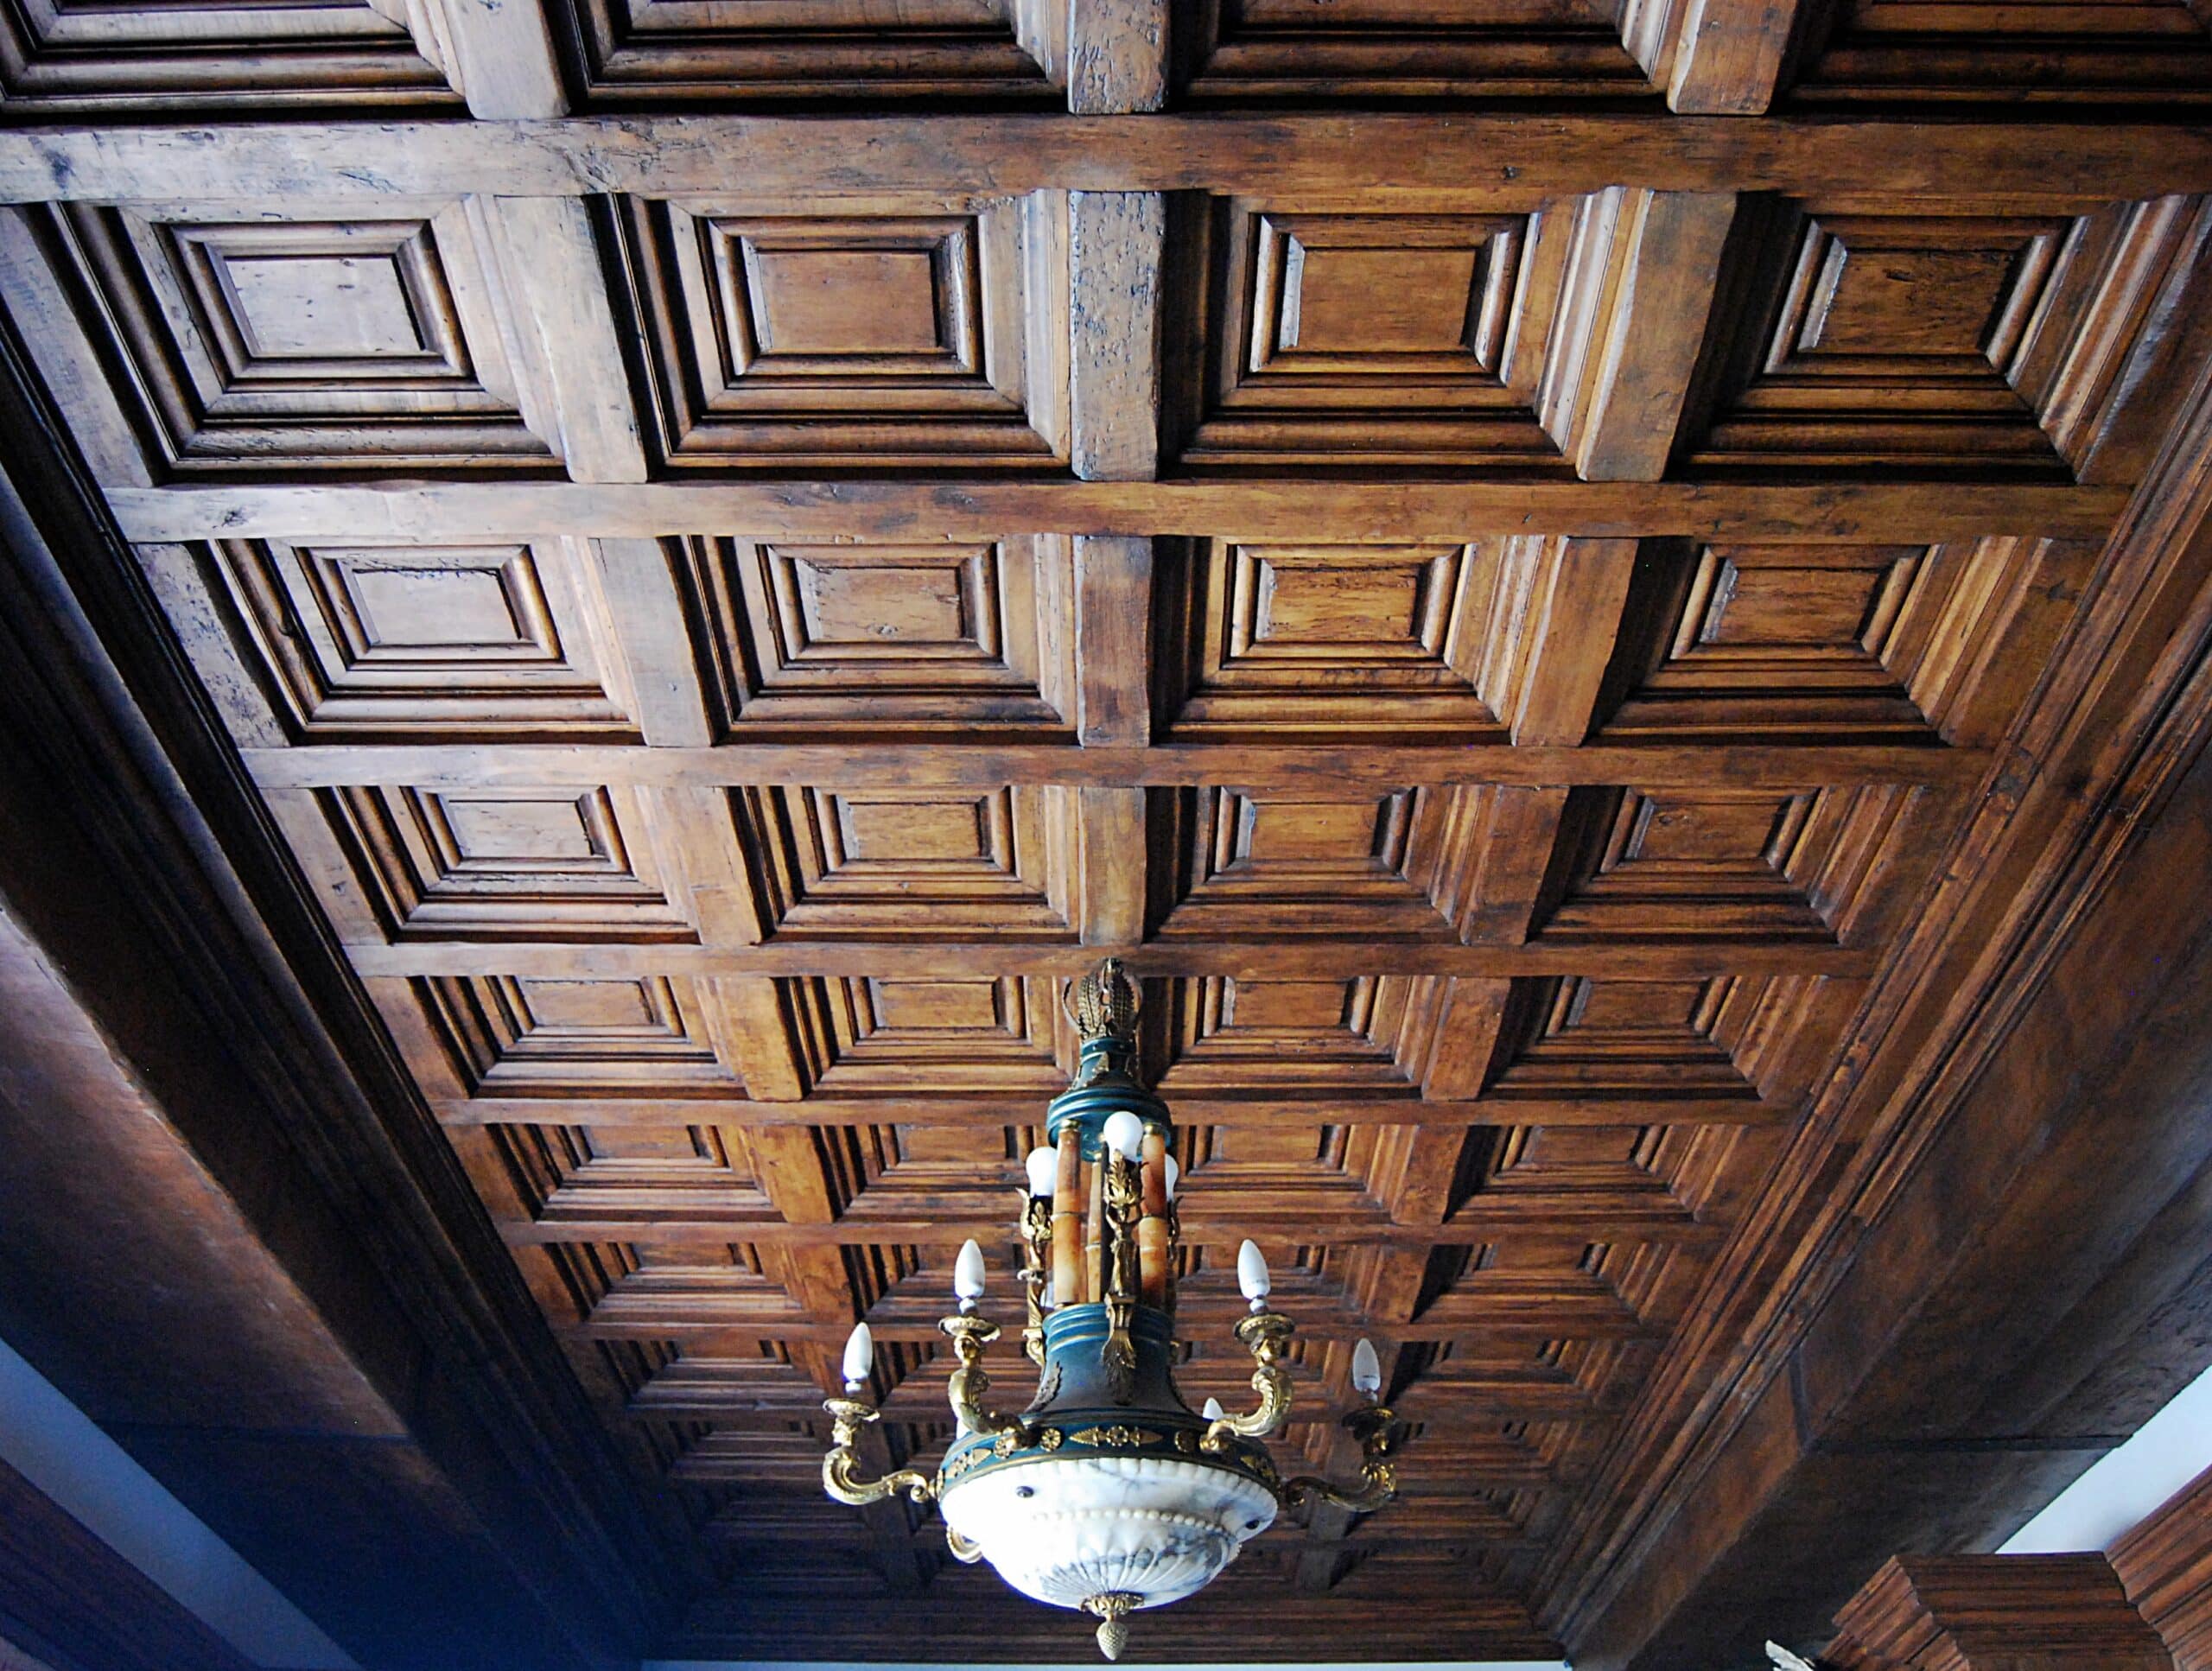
1109,1494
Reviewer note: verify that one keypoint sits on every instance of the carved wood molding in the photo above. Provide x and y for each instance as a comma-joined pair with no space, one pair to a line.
2165,1563
1995,1613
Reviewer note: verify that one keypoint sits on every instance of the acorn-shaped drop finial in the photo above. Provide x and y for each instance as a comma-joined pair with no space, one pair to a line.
1112,1608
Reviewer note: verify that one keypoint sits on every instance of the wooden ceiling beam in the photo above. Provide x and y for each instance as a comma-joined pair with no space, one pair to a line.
1248,765
1480,1222
1885,513
1404,159
1332,1108
1318,960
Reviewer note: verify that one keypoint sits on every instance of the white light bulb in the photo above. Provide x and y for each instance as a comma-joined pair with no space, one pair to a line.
968,1276
1044,1166
1252,1274
1213,1412
1174,1176
1366,1369
1124,1133
860,1354
1051,1298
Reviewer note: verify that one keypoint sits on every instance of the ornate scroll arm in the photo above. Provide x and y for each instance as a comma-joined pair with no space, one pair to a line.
848,1416
1266,1336
1378,1473
965,1550
969,1336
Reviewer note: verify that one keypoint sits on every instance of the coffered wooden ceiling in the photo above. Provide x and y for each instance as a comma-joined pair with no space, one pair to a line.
1494,550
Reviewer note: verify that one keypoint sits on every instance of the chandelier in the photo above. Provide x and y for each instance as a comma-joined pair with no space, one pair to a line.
1109,1494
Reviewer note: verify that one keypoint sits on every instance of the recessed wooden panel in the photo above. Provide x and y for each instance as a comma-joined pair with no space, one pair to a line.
1251,49
451,641
1406,339
733,52
1414,864
219,54
1586,1288
1930,341
1592,1039
1314,642
784,336
1834,641
900,863
1314,863
871,642
714,832
1310,1172
2051,52
921,1172
862,1036
1667,1163
1733,864
630,1174
501,863
276,345
534,1036
1323,1036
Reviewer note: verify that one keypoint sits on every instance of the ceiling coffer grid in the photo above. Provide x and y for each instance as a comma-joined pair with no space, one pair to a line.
1501,892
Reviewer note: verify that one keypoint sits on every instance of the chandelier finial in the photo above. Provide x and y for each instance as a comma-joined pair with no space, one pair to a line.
1112,1608
1104,1004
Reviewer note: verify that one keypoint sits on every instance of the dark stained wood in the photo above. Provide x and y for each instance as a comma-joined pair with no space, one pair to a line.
1485,158
2017,1612
967,509
2165,1563
1601,601
82,1607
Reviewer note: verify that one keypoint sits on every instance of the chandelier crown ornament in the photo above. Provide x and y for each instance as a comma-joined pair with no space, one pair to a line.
1109,1494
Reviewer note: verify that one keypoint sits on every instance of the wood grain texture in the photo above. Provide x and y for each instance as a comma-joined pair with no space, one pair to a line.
1591,596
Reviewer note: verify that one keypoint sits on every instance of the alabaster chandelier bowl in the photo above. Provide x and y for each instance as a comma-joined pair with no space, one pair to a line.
1109,1493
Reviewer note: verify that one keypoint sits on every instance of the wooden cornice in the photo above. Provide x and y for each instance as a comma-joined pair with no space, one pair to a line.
2165,1563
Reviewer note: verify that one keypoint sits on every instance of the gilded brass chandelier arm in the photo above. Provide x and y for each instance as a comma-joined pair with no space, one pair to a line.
1378,1472
839,1477
965,1550
969,1383
1266,1336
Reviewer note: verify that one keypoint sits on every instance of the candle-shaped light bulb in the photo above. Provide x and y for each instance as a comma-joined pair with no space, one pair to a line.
1174,1176
1366,1369
1213,1412
1124,1133
1252,1275
968,1276
860,1356
1051,1298
1044,1167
